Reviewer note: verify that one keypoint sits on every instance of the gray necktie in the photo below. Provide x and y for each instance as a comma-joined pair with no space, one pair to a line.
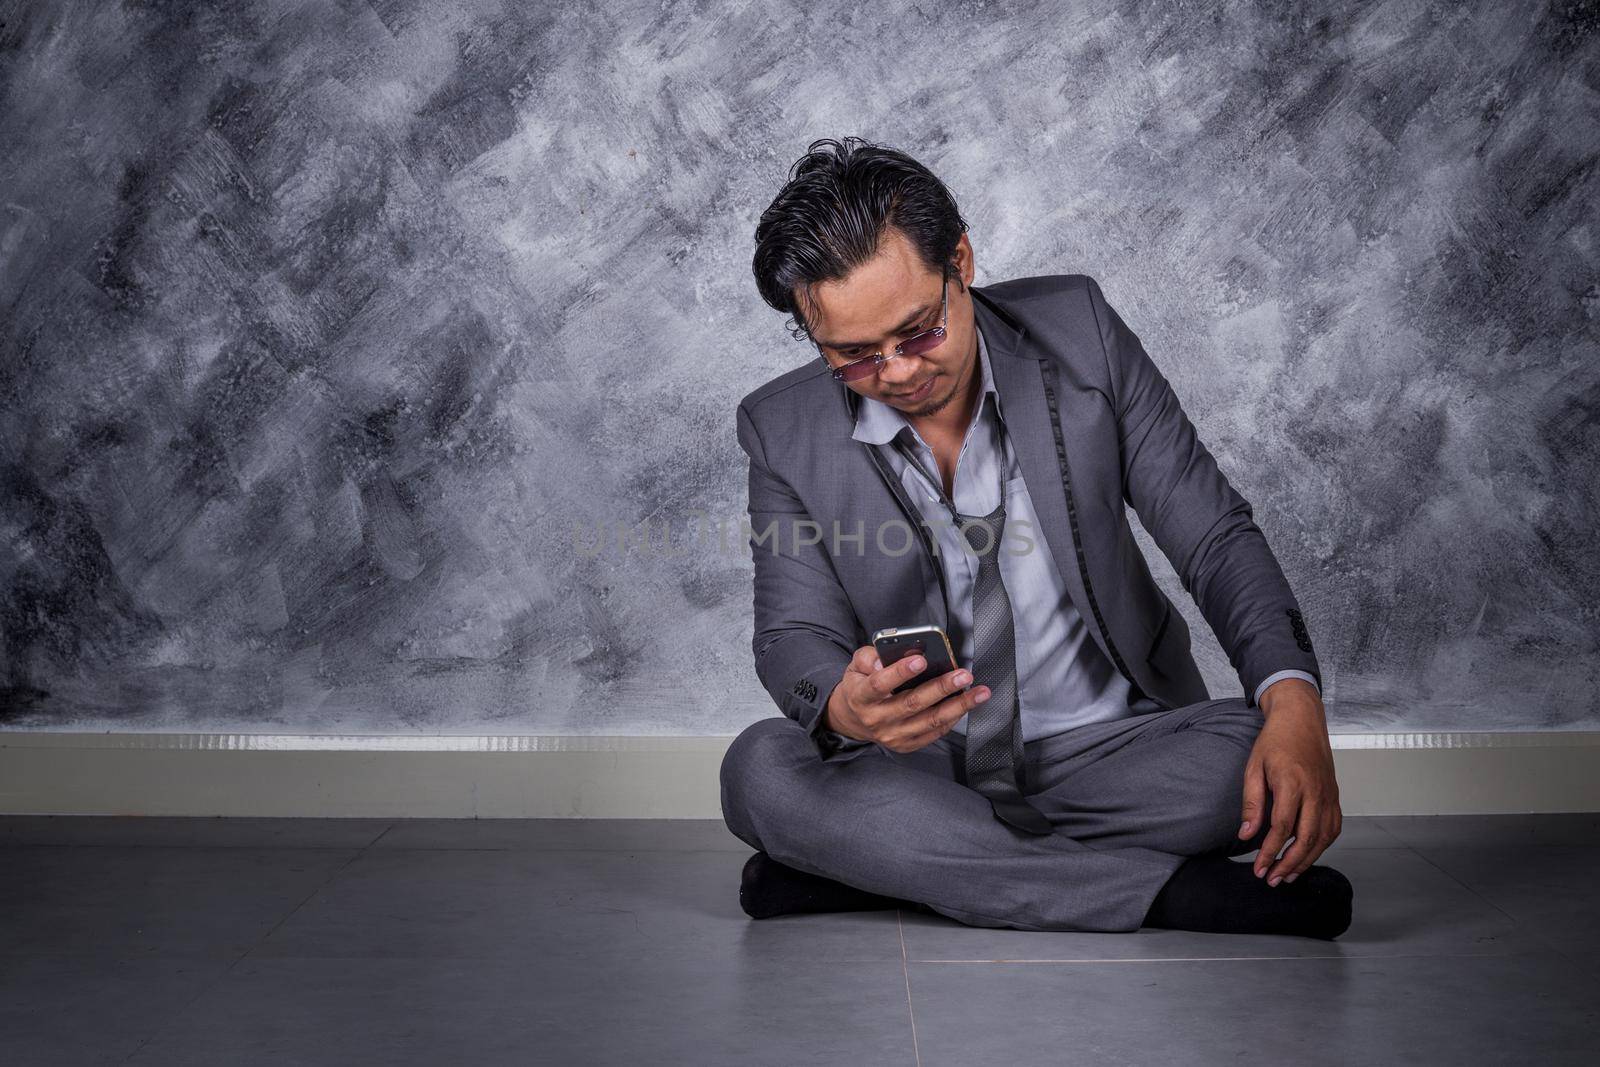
994,728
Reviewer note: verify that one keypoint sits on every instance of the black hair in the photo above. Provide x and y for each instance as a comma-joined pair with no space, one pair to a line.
830,216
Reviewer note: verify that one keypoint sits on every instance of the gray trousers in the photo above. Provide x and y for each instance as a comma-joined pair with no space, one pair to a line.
1130,799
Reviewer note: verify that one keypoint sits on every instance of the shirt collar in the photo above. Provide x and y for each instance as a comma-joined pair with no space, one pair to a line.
878,423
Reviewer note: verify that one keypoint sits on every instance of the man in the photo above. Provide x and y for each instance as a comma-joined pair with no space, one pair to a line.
1073,774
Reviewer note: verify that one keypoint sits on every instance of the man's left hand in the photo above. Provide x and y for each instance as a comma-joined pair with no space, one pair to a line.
1293,759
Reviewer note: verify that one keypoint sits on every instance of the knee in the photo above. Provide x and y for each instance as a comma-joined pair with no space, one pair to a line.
1221,807
758,749
1238,846
1241,723
754,761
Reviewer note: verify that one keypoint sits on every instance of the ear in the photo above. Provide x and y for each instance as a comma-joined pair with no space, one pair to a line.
963,253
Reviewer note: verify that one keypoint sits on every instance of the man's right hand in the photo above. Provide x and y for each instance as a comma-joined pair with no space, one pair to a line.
865,706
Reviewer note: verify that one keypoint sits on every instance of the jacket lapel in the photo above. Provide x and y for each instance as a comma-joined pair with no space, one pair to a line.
1015,363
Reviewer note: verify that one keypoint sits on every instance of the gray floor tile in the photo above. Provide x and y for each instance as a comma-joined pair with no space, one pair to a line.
1549,889
537,1010
197,832
567,834
78,1009
524,903
1526,1008
1403,905
148,901
1478,831
589,941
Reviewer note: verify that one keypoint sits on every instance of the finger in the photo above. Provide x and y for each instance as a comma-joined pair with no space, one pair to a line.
947,711
1307,844
885,681
1285,808
1327,835
933,723
1255,800
862,659
935,690
907,669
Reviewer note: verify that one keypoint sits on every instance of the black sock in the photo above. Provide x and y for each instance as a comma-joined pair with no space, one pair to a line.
769,888
1215,894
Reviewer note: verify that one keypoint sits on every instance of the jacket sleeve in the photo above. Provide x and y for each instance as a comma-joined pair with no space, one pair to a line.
1202,524
804,624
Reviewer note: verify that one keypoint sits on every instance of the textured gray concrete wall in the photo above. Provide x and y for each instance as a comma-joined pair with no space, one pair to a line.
334,335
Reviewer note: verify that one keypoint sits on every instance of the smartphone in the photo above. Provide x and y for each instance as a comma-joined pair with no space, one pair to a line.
898,642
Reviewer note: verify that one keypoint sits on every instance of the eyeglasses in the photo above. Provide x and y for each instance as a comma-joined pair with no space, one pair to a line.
914,345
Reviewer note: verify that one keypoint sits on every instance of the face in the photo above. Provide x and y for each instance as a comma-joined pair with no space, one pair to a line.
887,300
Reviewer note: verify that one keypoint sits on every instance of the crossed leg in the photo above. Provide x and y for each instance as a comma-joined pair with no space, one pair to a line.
1168,780
1131,798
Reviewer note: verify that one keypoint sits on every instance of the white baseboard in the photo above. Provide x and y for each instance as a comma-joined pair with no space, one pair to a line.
533,777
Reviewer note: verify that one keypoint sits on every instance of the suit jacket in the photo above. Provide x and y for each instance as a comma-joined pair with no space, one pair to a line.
840,551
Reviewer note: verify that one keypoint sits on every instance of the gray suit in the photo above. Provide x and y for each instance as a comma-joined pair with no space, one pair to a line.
1093,423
